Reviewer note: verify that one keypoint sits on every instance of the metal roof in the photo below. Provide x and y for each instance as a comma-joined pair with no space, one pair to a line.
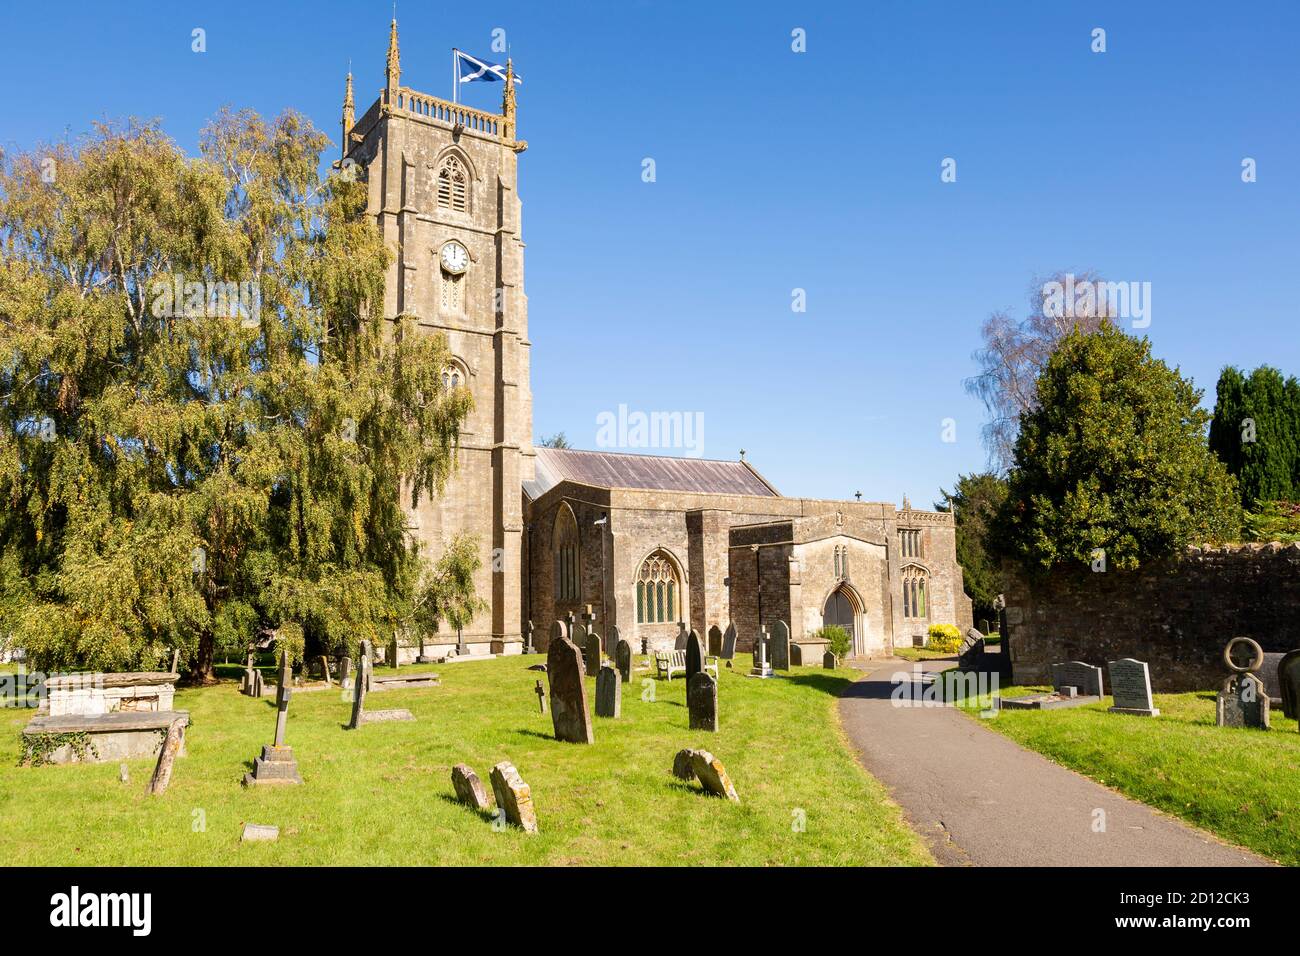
604,469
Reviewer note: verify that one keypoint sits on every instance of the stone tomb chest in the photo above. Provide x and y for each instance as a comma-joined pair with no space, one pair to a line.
91,695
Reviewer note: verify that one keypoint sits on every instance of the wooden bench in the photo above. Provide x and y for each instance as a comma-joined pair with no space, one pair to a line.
668,663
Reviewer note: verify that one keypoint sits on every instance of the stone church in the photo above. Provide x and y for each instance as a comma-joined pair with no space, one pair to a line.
646,542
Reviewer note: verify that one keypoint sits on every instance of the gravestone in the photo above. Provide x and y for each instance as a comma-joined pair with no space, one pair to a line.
568,693
761,667
780,648
259,832
680,643
540,691
1242,702
558,630
1078,674
623,660
702,701
829,662
325,670
712,775
592,655
1288,677
1130,685
971,652
1268,673
528,639
162,771
612,638
469,788
682,769
277,765
394,654
345,673
514,797
360,687
694,656
728,643
715,641
609,693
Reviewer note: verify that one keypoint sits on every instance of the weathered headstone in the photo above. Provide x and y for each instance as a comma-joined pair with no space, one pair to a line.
609,693
971,652
694,656
592,655
715,641
514,797
680,643
1130,685
623,660
162,771
568,693
728,643
780,646
702,701
558,630
469,788
345,672
1269,674
682,769
712,775
360,687
611,638
1078,674
259,833
1288,677
829,662
1243,702
176,661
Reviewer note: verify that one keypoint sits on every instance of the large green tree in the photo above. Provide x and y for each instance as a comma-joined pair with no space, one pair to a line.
1113,457
977,499
1256,433
208,427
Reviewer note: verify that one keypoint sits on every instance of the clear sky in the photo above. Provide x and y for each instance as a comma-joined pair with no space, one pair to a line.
777,170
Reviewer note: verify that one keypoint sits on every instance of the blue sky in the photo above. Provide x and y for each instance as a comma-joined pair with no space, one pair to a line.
777,170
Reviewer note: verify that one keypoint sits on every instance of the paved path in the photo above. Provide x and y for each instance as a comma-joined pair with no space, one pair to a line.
980,799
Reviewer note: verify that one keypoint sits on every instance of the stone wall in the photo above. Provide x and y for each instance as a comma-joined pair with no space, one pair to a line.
1175,614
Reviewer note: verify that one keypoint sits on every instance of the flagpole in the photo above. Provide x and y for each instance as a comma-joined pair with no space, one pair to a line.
454,79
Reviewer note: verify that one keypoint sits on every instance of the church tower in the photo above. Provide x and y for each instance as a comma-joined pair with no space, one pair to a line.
443,181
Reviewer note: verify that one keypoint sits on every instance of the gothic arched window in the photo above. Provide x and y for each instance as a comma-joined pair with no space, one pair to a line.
453,185
453,376
915,599
565,553
657,590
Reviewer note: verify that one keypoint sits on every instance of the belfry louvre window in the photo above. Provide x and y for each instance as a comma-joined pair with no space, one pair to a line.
915,582
911,543
566,555
453,185
657,590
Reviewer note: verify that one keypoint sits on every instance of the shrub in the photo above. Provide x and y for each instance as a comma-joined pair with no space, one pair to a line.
840,643
944,637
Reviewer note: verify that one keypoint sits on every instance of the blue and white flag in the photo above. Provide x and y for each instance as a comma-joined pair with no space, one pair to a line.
471,68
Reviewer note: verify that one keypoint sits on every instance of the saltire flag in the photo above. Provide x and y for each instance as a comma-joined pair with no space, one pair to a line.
470,69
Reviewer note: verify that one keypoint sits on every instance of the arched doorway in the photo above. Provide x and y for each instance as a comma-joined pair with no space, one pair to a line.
841,611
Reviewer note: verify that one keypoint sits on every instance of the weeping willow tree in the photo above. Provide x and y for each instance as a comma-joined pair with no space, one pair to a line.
208,428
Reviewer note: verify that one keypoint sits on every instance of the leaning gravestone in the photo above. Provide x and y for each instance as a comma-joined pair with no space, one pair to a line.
568,693
694,656
609,693
469,788
1077,674
971,652
514,797
1288,678
360,687
623,660
712,775
702,701
728,643
780,646
1130,685
715,641
592,655
682,768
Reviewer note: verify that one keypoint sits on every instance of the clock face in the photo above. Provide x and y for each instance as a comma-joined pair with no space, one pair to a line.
454,257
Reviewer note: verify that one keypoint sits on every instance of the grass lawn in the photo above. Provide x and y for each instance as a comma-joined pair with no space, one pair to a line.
1243,785
923,654
382,794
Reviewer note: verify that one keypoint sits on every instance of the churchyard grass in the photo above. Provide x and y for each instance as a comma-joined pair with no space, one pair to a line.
383,794
923,654
1240,784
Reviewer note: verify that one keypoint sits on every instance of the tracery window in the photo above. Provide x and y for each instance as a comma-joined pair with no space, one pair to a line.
910,541
915,599
565,554
453,185
657,590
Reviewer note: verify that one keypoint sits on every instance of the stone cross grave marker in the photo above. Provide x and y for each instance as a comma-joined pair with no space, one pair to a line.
780,646
588,620
729,643
623,660
540,691
568,693
277,765
694,656
1078,674
592,655
282,695
609,693
1130,685
702,701
528,639
761,666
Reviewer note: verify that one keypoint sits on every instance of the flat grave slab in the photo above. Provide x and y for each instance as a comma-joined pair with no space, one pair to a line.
1047,701
399,681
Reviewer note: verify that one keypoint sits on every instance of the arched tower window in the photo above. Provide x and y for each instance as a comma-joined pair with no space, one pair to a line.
657,590
453,185
915,599
565,553
454,376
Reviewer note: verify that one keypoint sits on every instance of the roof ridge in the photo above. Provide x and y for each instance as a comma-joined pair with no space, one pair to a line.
637,454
